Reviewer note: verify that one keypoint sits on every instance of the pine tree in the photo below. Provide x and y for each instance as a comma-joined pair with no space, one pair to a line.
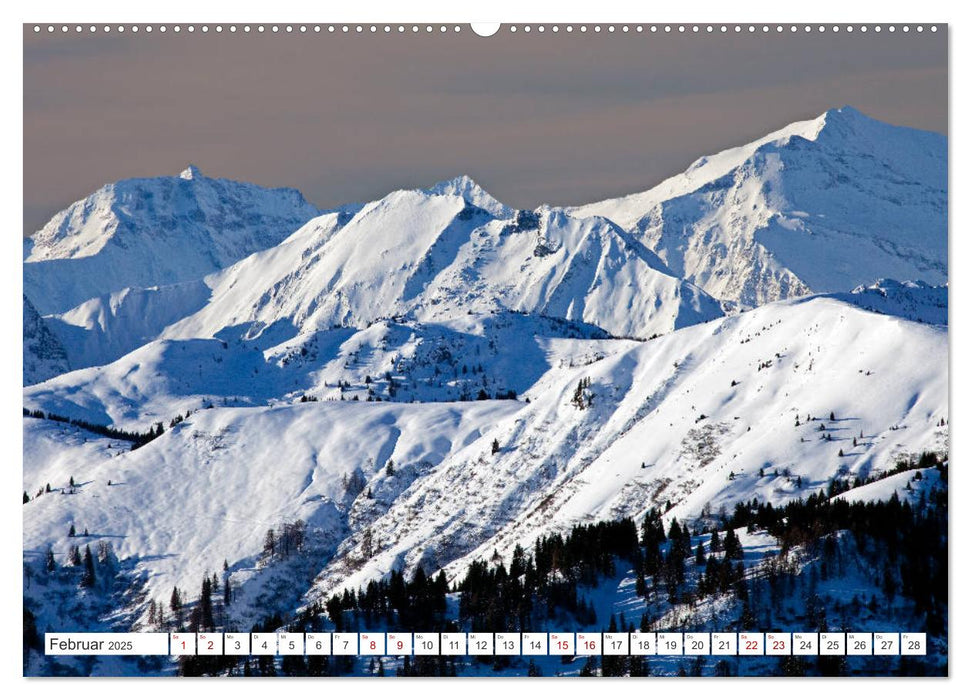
72,481
581,397
26,497
674,532
495,446
50,563
389,468
206,622
733,548
88,578
175,603
75,556
72,532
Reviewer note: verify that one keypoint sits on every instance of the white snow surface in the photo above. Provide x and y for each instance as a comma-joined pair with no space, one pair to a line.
105,328
917,301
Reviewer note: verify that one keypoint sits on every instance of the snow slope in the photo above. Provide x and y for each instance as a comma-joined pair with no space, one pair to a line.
105,328
908,485
819,206
689,419
154,231
208,489
468,357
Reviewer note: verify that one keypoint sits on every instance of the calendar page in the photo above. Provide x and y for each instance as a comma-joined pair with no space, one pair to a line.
513,350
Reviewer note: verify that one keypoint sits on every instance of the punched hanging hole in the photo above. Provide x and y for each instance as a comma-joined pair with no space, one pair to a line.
485,28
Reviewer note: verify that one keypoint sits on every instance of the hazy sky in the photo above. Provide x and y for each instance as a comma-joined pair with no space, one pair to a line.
555,118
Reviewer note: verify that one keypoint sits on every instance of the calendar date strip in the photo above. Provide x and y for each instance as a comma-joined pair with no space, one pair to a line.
487,644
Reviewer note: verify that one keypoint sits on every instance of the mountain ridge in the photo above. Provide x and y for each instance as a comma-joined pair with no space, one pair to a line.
819,206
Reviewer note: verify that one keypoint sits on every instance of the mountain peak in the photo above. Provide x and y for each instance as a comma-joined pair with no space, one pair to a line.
846,118
191,173
458,183
468,189
846,111
145,232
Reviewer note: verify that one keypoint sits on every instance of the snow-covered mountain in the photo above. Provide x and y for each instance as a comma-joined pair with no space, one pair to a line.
703,417
435,254
822,205
44,355
387,301
431,255
233,473
434,377
771,404
154,231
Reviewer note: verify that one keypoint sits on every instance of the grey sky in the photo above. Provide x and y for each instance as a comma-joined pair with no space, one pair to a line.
534,118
